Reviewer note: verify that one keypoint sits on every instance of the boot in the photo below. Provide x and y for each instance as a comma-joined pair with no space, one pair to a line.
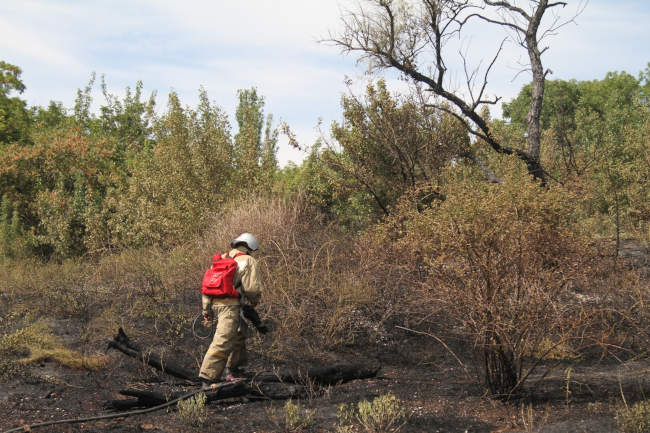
231,374
207,384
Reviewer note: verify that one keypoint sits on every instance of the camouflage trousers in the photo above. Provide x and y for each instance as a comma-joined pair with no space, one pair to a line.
228,347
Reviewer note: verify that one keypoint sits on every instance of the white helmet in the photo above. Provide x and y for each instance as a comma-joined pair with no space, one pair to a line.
246,239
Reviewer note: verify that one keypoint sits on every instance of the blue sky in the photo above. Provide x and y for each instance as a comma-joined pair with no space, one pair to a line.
225,45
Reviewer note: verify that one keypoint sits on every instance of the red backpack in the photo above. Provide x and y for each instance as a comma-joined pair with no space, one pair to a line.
217,280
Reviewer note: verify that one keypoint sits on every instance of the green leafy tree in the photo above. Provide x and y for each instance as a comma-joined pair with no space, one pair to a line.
54,185
596,138
82,104
563,102
268,152
617,140
128,120
91,181
54,115
15,118
328,189
250,120
59,184
389,145
179,182
255,141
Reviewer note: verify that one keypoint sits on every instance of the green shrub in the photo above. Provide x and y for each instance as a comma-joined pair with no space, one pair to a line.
384,414
295,418
192,411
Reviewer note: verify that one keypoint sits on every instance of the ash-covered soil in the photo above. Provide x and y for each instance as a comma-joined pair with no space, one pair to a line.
437,393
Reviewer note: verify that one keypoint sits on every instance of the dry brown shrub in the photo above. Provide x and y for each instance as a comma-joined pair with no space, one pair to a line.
310,293
506,266
503,266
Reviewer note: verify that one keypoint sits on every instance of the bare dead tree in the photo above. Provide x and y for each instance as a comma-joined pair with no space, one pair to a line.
411,37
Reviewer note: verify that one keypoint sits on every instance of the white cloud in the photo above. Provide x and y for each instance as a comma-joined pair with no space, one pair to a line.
608,36
294,24
226,45
24,41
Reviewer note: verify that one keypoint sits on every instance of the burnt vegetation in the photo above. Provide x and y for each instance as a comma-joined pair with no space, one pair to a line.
496,268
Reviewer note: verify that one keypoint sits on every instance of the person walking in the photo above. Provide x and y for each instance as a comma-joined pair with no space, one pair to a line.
227,352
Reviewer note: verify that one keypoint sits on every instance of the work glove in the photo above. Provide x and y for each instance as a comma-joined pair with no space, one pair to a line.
207,320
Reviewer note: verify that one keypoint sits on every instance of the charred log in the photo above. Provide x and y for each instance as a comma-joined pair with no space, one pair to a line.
243,388
329,375
124,344
275,385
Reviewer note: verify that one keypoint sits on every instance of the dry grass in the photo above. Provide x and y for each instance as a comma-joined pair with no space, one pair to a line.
307,265
325,290
37,343
311,292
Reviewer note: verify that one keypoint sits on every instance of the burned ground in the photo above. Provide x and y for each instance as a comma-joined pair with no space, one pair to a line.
434,389
439,390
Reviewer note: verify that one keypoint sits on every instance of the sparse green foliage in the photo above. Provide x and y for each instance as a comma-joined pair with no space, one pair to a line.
295,420
384,414
192,411
634,418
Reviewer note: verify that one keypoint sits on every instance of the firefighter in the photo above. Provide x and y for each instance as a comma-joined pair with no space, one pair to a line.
227,352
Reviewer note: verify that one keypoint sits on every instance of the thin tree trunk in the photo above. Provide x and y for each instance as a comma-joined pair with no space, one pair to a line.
537,96
489,174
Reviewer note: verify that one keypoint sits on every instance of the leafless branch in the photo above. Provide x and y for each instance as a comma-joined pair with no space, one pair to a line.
389,36
497,22
509,6
485,80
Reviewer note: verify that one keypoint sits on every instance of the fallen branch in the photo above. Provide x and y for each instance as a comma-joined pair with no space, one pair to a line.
441,342
124,344
242,388
275,385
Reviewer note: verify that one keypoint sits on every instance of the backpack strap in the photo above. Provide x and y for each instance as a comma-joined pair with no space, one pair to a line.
239,286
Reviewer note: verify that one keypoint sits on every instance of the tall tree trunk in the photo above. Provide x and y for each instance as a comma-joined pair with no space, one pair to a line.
537,96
